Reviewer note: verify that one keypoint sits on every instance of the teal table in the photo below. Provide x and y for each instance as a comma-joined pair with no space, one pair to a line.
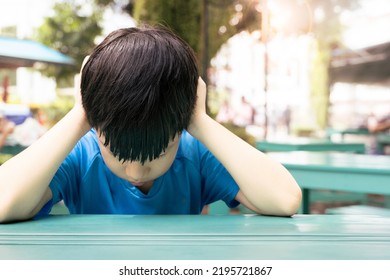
348,131
382,140
368,174
7,152
198,237
13,150
308,144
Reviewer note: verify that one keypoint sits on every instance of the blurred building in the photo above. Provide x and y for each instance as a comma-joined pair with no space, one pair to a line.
360,70
239,71
18,19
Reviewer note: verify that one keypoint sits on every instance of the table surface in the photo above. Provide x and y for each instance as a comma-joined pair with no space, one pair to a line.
308,144
383,138
344,162
13,150
355,131
201,237
358,173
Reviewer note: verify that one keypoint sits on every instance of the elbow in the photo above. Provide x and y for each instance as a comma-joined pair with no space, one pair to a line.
5,213
286,205
291,203
282,206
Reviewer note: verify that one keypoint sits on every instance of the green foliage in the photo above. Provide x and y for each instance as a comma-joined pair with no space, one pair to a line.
181,16
5,157
219,27
56,110
327,33
241,132
186,19
328,30
71,32
320,85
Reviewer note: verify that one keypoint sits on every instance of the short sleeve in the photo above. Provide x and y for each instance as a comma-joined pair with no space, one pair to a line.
217,182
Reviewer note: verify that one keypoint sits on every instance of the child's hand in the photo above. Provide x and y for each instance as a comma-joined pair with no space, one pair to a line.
78,106
77,82
200,108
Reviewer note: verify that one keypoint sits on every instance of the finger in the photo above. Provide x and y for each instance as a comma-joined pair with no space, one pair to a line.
201,85
77,78
84,61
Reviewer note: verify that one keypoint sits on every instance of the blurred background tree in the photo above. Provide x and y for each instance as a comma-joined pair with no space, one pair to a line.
205,24
71,30
208,24
327,29
196,21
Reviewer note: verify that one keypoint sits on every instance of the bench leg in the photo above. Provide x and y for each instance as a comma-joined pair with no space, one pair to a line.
387,201
305,201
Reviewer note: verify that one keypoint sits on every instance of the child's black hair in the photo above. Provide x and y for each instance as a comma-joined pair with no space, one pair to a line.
138,89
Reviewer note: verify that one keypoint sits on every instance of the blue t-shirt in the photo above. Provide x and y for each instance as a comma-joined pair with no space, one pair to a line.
195,179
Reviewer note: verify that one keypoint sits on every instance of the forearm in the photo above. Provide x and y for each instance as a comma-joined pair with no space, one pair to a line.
24,179
266,184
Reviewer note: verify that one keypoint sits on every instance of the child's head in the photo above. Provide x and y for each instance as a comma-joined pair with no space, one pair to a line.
138,89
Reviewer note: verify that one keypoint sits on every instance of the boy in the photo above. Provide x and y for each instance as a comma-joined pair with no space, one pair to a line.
140,142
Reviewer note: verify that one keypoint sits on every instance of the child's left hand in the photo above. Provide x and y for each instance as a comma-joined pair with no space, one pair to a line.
200,107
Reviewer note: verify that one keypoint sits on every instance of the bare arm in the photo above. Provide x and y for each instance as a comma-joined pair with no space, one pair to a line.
25,178
265,185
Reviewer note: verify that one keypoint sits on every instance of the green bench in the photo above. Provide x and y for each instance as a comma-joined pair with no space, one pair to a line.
359,210
59,209
340,172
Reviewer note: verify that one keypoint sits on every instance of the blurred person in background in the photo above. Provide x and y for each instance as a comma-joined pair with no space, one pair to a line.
225,113
6,128
244,114
379,125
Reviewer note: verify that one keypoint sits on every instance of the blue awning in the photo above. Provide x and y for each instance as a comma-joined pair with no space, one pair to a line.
24,53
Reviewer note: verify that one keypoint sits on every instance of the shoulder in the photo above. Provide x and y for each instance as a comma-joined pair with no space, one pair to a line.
87,148
191,150
90,140
190,147
188,140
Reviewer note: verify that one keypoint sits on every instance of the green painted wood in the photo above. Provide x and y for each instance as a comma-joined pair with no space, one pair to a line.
367,174
59,209
7,152
359,210
187,237
12,150
348,131
308,144
382,140
218,208
337,196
